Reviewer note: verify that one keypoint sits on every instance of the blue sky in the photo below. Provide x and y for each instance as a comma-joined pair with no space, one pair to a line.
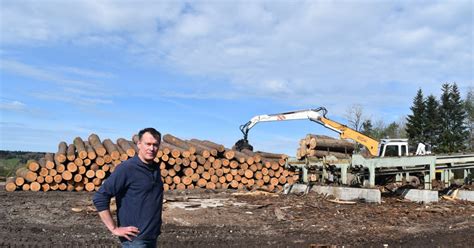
200,69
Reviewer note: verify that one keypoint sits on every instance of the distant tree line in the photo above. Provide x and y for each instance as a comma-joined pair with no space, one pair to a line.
11,160
447,124
23,156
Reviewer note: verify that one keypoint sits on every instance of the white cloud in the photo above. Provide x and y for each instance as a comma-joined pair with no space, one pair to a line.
304,52
76,99
12,105
68,82
41,74
83,72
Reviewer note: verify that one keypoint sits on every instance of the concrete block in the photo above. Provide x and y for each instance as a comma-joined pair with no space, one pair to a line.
295,188
350,194
418,195
465,195
342,193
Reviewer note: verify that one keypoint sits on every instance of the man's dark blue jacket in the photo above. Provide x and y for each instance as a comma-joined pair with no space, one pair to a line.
138,190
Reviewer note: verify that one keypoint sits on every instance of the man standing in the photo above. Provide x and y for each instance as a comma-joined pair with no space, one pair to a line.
138,189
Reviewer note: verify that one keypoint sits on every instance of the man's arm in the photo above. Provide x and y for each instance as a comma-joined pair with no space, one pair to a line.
109,222
114,184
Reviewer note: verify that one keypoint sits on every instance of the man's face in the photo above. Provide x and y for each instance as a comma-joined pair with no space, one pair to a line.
148,147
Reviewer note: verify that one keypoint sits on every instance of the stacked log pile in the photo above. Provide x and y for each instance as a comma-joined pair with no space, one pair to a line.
188,164
321,145
80,165
184,164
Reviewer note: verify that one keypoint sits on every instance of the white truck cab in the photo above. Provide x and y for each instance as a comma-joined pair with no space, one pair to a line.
393,148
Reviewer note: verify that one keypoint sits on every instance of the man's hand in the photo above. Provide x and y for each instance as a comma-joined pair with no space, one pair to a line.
125,232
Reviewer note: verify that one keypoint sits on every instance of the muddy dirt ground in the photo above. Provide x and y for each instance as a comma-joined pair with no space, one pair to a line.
203,218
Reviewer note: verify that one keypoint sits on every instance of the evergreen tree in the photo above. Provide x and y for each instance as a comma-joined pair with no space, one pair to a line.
432,125
453,133
415,125
392,131
459,129
445,121
367,128
469,106
379,130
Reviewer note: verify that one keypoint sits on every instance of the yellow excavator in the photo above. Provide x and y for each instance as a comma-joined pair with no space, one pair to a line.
382,148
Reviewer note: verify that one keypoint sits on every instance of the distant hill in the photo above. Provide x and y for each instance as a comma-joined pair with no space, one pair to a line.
10,160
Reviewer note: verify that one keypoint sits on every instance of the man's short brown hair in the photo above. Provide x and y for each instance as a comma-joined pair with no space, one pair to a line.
152,131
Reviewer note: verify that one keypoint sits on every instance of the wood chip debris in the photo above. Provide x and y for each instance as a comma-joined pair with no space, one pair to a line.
255,193
340,201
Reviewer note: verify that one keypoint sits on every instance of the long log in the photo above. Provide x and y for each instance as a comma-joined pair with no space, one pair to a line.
201,149
174,150
334,145
220,148
43,172
32,165
28,175
49,157
269,155
35,186
80,147
229,153
123,154
111,149
19,181
320,154
66,175
10,184
90,151
95,142
71,152
212,148
134,146
240,156
125,145
42,163
179,143
255,157
61,154
135,138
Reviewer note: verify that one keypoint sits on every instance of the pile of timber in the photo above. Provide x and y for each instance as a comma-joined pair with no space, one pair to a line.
187,164
184,164
80,165
321,145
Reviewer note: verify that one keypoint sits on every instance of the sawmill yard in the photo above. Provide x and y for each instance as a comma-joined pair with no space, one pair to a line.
232,218
215,197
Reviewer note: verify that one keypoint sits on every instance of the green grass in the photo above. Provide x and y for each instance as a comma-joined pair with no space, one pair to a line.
8,166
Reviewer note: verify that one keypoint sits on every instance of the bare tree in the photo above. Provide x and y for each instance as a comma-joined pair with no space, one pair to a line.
402,123
355,116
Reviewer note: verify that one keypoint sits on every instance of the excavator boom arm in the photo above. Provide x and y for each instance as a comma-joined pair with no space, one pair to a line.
349,133
317,115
